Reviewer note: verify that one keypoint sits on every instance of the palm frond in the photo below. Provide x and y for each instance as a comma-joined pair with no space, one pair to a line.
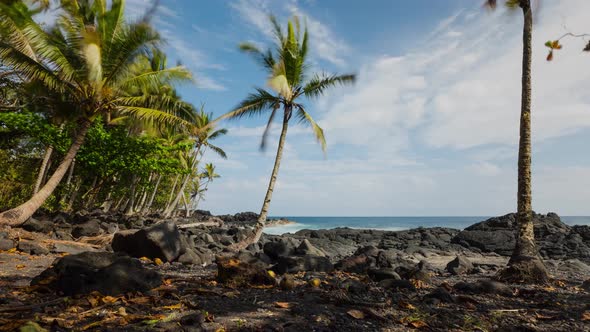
30,68
151,114
317,85
265,59
219,151
152,80
276,27
254,105
135,41
305,118
267,128
218,133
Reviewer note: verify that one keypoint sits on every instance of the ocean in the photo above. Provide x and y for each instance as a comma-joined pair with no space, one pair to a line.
390,223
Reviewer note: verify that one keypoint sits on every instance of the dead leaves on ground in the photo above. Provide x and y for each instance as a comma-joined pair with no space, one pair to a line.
356,314
414,322
283,305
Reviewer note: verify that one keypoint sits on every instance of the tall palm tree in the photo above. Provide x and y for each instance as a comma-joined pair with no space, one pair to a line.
525,265
287,67
89,56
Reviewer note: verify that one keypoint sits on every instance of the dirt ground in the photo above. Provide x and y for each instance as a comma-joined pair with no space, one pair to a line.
191,300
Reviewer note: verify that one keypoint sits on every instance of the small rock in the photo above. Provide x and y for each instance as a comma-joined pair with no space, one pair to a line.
439,295
306,248
192,319
70,248
208,238
357,263
189,257
586,285
34,225
294,264
397,284
88,228
574,266
287,283
383,274
280,248
112,228
6,244
460,265
354,286
32,248
484,287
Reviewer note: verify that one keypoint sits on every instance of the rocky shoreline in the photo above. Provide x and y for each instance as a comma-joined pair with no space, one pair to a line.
99,246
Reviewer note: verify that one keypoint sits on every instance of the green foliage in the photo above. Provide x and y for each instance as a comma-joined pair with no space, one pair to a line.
287,68
33,126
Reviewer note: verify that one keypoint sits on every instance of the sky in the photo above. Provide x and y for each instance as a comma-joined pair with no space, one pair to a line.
430,128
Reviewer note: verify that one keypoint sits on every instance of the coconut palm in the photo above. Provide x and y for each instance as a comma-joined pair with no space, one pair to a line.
202,131
525,264
90,56
209,175
287,66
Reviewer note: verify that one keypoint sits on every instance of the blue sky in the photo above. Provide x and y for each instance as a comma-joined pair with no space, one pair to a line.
430,127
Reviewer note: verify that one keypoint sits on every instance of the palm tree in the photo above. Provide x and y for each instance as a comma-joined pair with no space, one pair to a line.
202,130
525,265
208,174
90,57
287,68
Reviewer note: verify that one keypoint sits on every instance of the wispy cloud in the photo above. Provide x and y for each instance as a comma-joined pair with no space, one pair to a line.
326,45
434,130
192,57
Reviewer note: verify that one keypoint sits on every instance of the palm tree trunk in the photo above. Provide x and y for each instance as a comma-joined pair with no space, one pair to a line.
172,191
275,170
172,206
151,200
43,168
525,245
131,203
525,264
273,179
186,209
21,213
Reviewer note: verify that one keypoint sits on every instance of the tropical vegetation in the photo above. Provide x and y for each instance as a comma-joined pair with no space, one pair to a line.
92,117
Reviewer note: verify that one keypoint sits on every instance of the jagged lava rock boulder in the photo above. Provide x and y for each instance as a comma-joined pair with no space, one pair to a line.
91,227
105,272
35,225
158,241
459,265
555,239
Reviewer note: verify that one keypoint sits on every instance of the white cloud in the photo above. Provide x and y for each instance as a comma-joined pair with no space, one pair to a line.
434,130
325,44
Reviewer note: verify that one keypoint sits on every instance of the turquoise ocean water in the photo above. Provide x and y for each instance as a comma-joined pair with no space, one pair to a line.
391,223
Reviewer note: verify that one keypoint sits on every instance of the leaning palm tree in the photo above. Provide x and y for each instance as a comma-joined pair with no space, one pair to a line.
90,57
287,68
525,265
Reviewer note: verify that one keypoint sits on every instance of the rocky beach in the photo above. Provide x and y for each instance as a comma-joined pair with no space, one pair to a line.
92,270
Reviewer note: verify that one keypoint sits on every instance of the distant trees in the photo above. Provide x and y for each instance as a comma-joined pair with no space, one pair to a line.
287,66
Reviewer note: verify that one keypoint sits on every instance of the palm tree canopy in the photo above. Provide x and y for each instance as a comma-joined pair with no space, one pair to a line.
92,55
289,79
